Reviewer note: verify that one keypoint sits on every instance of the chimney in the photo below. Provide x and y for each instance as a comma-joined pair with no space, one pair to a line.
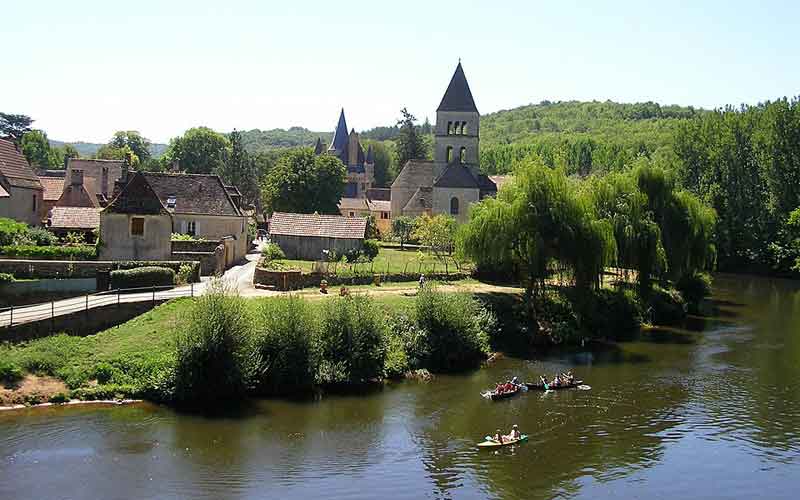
76,177
66,162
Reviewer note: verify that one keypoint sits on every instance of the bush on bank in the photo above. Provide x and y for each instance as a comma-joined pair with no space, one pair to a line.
142,277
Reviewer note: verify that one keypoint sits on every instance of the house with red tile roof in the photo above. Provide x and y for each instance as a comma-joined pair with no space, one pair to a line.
21,192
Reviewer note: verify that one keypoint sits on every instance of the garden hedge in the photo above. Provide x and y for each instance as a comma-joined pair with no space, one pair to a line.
82,252
142,277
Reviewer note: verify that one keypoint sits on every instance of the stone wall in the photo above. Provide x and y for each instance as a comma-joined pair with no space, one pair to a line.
294,280
210,255
26,268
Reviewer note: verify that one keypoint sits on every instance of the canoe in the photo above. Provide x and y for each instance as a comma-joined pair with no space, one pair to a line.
494,396
540,387
494,444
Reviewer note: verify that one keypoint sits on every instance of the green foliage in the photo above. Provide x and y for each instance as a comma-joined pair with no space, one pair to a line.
11,231
397,361
666,307
199,151
10,372
72,238
85,252
59,398
272,251
214,361
184,237
437,233
457,329
284,332
133,141
185,274
6,278
370,250
410,143
610,314
41,237
303,182
352,340
13,126
38,152
240,170
142,277
694,288
385,167
402,227
372,232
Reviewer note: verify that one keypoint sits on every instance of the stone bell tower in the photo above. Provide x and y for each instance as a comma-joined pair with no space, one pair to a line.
457,124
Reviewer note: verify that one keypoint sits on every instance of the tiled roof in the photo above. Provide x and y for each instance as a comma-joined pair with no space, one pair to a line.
15,168
198,194
353,204
74,218
137,197
315,225
53,187
379,205
456,176
458,97
416,173
422,200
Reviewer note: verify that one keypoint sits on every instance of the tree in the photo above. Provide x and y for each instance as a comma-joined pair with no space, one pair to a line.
107,152
385,169
14,126
199,151
303,182
36,148
402,227
437,233
239,170
410,144
134,140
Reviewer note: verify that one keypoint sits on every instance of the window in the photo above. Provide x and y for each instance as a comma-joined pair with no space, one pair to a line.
191,228
137,226
460,128
463,128
384,215
34,202
454,206
352,214
462,155
171,201
449,154
449,128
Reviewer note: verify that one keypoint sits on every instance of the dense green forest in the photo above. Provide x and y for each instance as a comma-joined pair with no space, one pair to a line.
90,149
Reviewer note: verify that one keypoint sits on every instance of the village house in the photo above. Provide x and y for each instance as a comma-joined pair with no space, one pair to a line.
97,177
451,182
20,189
308,236
364,207
139,222
360,166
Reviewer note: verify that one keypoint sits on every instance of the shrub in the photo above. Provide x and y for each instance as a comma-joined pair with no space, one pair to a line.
272,251
41,237
11,230
6,278
694,288
184,237
371,249
352,255
414,339
667,307
397,363
82,252
184,274
106,392
103,372
59,398
611,314
142,277
74,238
48,355
284,330
352,340
214,363
9,372
457,329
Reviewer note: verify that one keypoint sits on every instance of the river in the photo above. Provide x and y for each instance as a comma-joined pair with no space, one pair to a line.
711,411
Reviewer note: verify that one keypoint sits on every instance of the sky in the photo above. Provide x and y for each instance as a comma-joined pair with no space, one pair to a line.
85,69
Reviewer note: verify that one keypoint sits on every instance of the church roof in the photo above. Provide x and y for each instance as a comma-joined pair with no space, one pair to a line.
370,154
318,146
340,135
456,176
458,97
416,173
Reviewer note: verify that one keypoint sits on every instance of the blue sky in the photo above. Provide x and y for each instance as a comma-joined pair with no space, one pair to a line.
84,69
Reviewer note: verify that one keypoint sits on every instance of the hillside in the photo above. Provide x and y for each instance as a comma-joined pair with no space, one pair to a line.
263,140
88,149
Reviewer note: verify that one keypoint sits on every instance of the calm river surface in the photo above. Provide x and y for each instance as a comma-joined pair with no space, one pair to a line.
708,412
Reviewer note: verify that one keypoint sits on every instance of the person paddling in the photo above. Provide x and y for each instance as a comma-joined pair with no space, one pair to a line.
544,382
514,434
498,436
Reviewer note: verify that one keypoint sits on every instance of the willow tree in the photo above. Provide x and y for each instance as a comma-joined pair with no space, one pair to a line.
540,220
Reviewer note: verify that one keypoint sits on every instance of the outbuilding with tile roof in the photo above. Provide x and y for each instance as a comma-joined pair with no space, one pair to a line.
21,192
309,236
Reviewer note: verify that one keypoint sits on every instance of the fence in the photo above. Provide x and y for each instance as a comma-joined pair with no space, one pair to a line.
11,316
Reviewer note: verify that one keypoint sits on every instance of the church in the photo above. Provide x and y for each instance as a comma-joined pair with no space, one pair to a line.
451,182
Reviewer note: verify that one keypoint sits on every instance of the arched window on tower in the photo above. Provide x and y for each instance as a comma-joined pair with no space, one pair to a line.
453,206
462,155
449,154
449,128
463,128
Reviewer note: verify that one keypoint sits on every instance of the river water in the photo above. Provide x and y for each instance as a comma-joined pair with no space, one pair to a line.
712,411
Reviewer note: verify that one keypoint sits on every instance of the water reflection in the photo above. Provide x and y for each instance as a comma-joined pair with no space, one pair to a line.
675,412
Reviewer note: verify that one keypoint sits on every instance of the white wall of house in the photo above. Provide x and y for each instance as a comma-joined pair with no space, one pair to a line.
215,227
119,242
21,206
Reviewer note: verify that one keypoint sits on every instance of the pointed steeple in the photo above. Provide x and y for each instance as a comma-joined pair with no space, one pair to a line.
340,136
318,146
458,97
370,155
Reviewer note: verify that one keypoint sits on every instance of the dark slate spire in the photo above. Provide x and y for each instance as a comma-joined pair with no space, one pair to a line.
318,146
458,97
370,155
340,136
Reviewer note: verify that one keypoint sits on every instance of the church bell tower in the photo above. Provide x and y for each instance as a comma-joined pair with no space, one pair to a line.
457,124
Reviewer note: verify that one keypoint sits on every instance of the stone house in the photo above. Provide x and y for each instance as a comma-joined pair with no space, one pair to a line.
307,236
53,187
139,222
363,207
82,220
451,182
98,177
21,192
360,166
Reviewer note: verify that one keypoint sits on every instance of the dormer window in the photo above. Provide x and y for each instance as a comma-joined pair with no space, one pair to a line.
171,200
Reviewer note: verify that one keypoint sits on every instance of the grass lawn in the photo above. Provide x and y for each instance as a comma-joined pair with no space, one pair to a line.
391,261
